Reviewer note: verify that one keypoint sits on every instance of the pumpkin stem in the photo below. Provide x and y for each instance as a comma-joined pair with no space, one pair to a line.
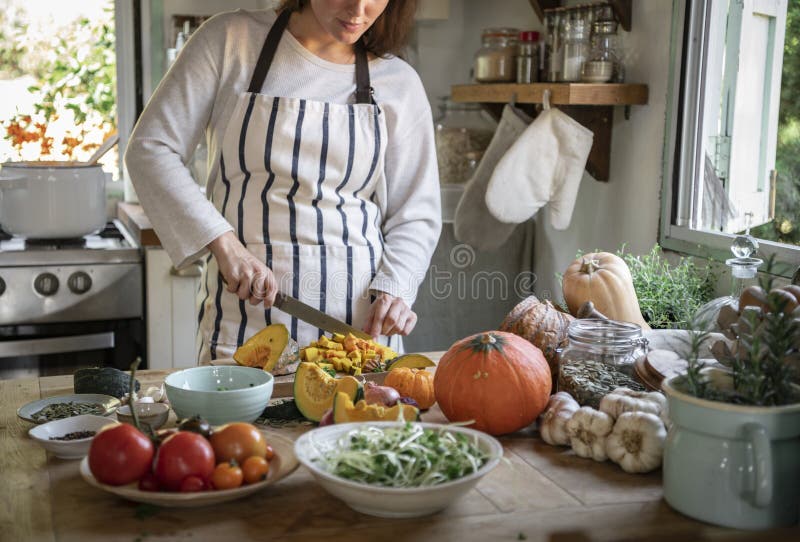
589,265
488,338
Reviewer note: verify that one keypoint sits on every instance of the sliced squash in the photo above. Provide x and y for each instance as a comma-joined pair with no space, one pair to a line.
271,349
314,390
344,411
412,361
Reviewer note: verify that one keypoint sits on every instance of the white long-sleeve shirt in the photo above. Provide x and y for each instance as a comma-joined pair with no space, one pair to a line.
196,98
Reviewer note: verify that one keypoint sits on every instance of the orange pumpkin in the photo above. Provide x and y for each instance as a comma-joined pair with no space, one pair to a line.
414,383
605,280
498,380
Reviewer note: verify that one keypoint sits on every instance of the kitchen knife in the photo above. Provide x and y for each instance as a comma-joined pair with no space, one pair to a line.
312,316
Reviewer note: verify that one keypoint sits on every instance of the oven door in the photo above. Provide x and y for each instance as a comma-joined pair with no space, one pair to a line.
59,349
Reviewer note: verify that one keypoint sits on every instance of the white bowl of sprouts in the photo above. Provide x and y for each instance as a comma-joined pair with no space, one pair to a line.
397,469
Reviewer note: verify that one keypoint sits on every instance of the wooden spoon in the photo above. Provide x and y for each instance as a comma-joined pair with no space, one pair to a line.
104,147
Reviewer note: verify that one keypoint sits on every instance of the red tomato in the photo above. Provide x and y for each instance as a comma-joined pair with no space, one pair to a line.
227,476
238,441
180,455
193,483
255,469
270,453
120,455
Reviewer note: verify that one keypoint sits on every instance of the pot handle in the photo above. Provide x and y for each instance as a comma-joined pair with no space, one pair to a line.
762,457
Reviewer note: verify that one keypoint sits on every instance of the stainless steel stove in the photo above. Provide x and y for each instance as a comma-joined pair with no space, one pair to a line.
68,303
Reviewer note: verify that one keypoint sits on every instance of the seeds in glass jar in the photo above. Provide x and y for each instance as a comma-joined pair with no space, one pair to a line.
588,381
455,150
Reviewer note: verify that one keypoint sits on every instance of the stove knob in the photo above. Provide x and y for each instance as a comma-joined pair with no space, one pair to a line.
2,286
79,282
46,284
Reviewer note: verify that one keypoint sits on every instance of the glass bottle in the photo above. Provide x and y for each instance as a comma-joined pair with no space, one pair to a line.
494,61
528,57
576,48
462,133
604,64
743,268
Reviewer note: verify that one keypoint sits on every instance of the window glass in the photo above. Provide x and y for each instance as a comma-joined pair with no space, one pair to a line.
737,137
57,80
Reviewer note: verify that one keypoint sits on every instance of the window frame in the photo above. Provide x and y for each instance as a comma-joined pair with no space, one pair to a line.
686,86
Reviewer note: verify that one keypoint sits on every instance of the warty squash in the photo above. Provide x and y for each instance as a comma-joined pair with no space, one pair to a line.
605,280
542,323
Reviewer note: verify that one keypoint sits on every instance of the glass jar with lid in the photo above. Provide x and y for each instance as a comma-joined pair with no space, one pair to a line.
463,132
599,357
604,64
576,47
495,61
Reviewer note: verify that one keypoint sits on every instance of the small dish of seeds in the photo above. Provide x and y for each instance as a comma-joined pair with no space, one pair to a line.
67,406
70,438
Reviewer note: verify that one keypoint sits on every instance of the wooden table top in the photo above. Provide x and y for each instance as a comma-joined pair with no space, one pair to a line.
538,493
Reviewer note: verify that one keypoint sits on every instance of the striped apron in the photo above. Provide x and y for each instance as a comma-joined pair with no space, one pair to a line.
297,182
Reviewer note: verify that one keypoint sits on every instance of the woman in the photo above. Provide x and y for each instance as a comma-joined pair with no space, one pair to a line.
322,170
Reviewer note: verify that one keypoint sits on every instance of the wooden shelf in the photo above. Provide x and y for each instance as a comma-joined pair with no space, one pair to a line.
589,104
560,93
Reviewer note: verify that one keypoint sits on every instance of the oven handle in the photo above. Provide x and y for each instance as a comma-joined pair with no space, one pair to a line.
57,345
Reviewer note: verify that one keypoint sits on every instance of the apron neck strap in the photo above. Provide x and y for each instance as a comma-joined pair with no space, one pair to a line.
363,89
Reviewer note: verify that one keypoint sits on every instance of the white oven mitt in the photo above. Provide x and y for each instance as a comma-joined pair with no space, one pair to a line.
474,224
545,165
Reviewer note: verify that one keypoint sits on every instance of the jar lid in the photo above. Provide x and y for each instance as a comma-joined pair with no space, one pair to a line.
500,32
528,35
604,27
605,332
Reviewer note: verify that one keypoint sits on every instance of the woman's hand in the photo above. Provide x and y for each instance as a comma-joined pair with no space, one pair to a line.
244,274
389,315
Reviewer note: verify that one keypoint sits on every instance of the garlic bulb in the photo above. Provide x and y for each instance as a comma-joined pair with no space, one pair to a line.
626,400
553,421
637,442
588,429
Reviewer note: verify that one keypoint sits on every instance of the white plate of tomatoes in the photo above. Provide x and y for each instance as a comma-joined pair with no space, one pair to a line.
186,470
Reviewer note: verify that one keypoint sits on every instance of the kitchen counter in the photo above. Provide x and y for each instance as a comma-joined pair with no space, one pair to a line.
538,493
133,218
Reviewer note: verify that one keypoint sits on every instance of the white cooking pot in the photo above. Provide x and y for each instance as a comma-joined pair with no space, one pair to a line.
52,200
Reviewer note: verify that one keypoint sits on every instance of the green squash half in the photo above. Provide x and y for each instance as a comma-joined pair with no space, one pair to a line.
314,390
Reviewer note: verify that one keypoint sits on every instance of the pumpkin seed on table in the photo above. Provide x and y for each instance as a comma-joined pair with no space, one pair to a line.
58,411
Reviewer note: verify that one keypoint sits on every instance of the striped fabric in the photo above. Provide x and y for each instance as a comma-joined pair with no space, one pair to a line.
297,179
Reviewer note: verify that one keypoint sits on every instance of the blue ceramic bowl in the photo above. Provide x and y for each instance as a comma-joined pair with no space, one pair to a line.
219,394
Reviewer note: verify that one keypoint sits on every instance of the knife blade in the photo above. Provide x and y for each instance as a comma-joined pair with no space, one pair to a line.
312,316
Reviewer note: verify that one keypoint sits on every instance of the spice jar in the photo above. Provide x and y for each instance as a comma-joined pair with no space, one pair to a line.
494,61
528,57
463,132
599,357
576,48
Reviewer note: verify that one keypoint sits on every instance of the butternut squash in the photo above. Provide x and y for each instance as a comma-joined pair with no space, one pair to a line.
605,280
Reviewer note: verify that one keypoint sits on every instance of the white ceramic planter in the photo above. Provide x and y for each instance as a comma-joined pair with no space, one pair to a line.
52,200
732,465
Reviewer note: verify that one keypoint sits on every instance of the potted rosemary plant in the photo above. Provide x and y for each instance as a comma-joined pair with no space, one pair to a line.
732,455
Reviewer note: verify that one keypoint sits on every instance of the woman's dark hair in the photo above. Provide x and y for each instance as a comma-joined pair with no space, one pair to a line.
389,33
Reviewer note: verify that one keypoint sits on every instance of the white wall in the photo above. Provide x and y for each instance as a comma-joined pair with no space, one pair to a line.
624,210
